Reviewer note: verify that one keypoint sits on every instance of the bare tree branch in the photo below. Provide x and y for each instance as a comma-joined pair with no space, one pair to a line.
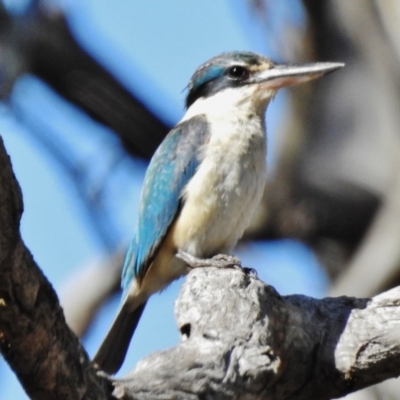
41,43
86,291
380,247
34,338
245,341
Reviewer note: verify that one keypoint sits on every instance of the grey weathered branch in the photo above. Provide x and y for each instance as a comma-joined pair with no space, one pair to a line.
245,341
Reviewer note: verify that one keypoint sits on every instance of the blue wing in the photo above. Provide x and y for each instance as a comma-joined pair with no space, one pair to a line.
172,166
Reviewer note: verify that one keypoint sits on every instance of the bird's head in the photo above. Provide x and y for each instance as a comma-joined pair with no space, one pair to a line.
239,78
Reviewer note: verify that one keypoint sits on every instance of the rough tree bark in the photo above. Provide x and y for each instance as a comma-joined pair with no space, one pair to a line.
36,342
243,340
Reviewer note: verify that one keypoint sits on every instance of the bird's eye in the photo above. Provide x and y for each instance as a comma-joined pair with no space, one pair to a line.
237,72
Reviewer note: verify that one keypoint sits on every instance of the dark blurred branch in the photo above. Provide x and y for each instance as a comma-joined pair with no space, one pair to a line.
361,124
309,198
62,63
381,246
340,142
40,42
45,47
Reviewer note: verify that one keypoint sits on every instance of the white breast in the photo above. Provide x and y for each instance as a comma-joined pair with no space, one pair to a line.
223,194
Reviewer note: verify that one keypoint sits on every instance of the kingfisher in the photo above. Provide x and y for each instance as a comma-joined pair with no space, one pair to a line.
203,183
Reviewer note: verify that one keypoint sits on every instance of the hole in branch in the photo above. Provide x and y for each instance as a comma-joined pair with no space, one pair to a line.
185,331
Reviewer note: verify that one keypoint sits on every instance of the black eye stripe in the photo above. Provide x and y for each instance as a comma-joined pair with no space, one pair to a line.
238,72
212,78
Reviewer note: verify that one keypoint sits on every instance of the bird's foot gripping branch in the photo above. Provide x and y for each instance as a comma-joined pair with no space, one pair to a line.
218,261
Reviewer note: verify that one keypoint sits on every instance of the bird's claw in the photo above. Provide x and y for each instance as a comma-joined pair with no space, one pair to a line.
225,261
218,261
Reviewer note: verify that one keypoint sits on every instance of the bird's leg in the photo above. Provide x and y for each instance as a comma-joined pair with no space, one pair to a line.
218,261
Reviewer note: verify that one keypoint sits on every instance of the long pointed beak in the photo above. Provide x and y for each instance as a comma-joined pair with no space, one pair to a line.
293,74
